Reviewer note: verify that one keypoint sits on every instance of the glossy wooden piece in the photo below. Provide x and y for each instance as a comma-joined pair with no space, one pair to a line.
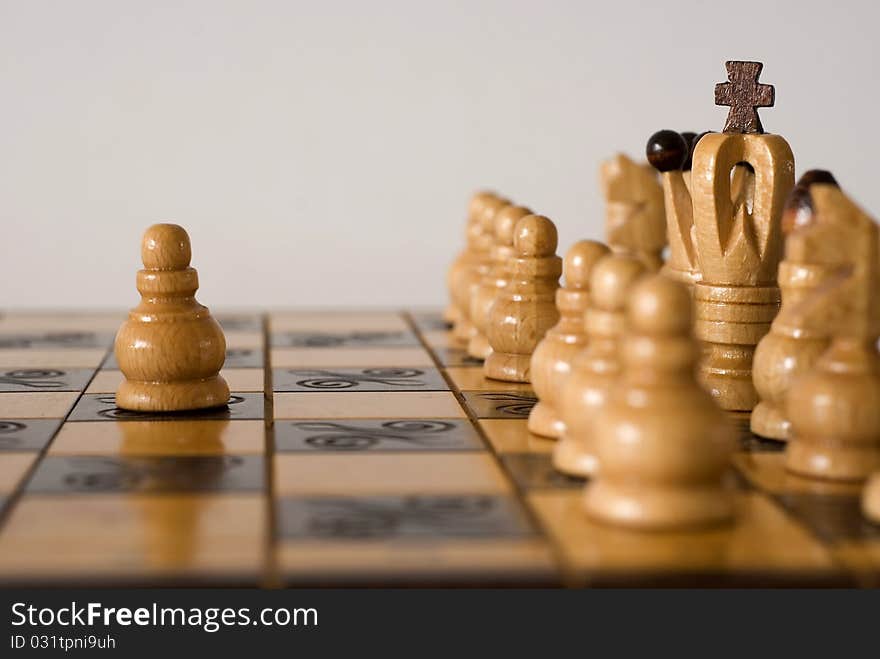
635,223
738,239
661,441
495,278
551,361
835,409
789,351
871,498
595,369
170,349
525,309
476,266
464,257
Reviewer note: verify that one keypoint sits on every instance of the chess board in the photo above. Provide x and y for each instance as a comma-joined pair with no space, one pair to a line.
359,448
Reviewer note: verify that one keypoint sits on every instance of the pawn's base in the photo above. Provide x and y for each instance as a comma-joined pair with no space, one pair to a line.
658,509
830,460
508,367
768,421
478,346
544,421
172,396
570,457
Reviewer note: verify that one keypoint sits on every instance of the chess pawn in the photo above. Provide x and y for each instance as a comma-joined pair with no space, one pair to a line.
525,309
789,351
835,408
595,369
551,361
451,313
495,279
662,442
635,222
480,239
170,349
670,153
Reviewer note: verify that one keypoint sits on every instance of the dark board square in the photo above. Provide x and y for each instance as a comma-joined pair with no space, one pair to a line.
401,517
102,407
536,471
233,322
354,339
499,404
54,340
166,475
359,435
831,518
45,379
430,321
27,434
455,357
358,379
235,358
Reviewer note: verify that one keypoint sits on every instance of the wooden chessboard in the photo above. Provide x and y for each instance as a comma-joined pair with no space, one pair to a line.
358,448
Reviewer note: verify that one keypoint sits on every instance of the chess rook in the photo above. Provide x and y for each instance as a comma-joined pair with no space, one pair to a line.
170,349
495,279
662,443
739,187
595,369
789,351
635,223
480,239
451,313
835,408
551,361
525,309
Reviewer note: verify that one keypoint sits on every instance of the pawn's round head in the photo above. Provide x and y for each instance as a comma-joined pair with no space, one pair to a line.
165,247
612,281
534,236
580,260
658,305
505,222
478,202
667,150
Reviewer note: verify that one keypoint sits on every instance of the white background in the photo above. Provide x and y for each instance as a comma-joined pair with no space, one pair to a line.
322,153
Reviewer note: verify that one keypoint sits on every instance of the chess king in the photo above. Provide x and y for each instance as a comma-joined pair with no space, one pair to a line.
740,179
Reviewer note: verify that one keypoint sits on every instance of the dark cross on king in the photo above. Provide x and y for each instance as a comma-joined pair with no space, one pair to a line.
744,94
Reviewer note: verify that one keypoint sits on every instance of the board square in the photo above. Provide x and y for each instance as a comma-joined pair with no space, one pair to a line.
151,438
55,339
401,517
36,405
58,474
39,322
358,379
27,434
44,379
455,357
360,435
352,339
367,405
365,474
102,407
401,357
13,467
471,378
337,321
499,404
513,436
428,321
232,322
532,471
64,358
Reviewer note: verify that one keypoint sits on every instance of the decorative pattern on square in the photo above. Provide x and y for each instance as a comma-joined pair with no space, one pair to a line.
102,407
831,518
26,434
430,321
358,379
536,471
455,357
44,379
59,339
499,404
351,339
94,474
359,435
401,517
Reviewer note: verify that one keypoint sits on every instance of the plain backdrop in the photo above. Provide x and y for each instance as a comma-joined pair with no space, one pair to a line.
322,153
